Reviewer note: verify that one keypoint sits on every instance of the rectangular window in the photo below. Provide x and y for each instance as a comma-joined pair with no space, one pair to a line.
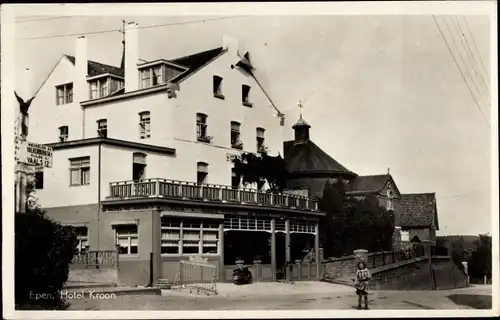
202,173
103,88
127,239
145,125
63,133
102,128
83,238
201,127
217,89
261,147
157,75
235,135
245,94
94,90
79,171
190,236
39,180
64,94
145,78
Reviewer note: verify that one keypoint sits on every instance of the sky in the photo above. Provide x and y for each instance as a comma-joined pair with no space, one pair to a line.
379,91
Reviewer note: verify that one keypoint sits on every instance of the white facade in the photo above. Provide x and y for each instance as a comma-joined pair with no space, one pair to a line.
173,124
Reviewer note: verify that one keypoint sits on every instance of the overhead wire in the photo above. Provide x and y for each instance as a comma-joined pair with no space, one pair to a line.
475,46
463,61
460,70
143,27
470,57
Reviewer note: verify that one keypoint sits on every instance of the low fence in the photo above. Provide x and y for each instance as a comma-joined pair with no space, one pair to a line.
345,267
94,267
196,275
108,258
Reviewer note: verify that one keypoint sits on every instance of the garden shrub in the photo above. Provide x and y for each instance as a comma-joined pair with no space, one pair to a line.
43,252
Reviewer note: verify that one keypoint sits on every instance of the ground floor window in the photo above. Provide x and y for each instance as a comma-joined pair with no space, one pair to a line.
189,236
405,235
127,239
82,236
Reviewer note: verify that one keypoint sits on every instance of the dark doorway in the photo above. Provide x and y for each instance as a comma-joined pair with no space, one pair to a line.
248,246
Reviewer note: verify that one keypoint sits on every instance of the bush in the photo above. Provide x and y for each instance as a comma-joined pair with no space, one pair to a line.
43,252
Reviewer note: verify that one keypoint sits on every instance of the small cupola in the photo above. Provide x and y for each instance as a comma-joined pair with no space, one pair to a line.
301,128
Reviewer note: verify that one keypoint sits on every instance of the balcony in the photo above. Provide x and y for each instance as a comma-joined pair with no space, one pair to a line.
164,188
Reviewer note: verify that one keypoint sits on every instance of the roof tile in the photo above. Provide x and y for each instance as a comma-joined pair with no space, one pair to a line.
417,210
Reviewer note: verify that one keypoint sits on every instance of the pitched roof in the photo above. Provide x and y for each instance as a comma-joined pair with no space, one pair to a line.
417,210
194,62
370,184
307,158
97,68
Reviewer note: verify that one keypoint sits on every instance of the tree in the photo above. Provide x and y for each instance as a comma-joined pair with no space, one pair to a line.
480,262
253,169
333,223
44,250
369,225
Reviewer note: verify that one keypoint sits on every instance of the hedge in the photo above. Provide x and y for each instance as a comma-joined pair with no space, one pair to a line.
43,252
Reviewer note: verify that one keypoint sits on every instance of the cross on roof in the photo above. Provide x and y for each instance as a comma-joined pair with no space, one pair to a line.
300,108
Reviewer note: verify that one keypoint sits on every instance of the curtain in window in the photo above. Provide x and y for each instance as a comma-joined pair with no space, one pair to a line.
202,167
75,177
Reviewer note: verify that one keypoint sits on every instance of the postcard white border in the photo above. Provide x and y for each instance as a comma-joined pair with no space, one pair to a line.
8,14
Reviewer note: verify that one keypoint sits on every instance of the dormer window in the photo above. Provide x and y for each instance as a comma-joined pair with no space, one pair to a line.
157,73
104,85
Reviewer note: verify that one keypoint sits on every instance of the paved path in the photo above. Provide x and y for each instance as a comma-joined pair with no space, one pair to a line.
275,296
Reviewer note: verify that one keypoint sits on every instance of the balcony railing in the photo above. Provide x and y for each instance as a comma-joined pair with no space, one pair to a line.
165,188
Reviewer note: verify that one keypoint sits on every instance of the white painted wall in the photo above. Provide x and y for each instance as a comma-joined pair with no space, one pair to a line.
46,116
116,165
173,124
57,191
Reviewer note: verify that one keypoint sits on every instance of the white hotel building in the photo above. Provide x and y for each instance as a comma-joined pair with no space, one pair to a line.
146,168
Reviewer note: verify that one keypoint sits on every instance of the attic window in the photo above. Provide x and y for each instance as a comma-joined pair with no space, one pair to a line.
245,94
157,74
64,94
218,87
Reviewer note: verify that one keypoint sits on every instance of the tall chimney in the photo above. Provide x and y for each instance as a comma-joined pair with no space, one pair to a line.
231,44
131,57
80,87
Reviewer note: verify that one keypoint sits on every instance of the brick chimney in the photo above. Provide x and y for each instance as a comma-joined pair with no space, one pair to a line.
80,86
131,57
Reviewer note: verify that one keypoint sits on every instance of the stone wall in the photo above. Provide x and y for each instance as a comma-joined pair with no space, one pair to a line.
91,275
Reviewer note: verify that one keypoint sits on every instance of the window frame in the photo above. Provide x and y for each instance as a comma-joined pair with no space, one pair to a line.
217,87
202,127
261,139
63,137
144,119
236,130
102,126
182,227
66,95
82,166
129,236
245,95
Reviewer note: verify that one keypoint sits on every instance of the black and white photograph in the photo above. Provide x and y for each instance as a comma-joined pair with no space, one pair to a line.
220,160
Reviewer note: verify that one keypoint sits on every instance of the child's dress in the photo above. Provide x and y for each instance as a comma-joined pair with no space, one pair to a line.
361,284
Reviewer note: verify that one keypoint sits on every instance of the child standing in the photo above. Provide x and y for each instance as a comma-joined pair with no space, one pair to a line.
361,283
